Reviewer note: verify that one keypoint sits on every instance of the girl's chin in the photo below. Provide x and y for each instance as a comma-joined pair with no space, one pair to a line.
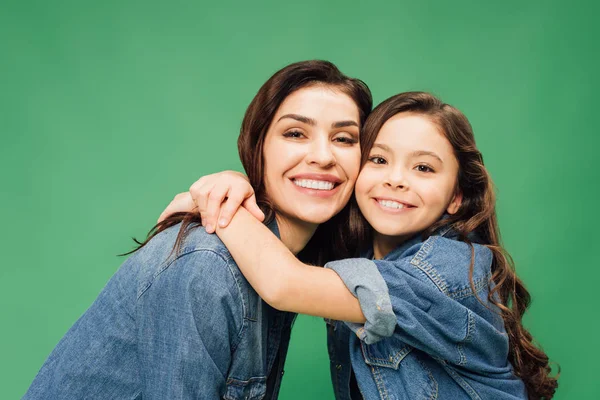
386,228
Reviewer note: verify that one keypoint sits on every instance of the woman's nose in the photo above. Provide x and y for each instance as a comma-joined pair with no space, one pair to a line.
321,153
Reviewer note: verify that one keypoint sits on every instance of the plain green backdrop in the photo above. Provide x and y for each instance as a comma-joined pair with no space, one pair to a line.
108,109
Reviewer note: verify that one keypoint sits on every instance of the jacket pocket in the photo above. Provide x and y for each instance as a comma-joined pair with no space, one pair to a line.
385,353
251,389
399,371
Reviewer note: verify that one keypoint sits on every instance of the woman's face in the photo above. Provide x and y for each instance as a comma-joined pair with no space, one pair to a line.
312,154
409,179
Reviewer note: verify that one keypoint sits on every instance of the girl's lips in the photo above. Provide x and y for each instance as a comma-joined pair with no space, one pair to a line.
390,206
390,199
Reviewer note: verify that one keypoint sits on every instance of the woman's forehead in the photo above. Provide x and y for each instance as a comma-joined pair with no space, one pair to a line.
319,103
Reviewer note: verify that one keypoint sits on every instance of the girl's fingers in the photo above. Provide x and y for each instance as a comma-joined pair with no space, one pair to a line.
234,201
251,205
213,207
182,202
200,191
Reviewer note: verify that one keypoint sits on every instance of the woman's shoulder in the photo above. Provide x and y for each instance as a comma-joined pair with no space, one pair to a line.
196,253
192,239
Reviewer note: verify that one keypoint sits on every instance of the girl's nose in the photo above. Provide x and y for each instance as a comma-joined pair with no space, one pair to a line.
396,179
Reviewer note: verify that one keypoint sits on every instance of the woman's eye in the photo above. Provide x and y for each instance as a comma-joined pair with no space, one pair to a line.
293,134
377,160
424,168
345,140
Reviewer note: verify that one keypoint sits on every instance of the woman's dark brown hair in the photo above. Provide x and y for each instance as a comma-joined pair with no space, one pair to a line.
476,215
328,241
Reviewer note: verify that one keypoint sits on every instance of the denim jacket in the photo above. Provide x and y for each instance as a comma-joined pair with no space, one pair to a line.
172,326
446,340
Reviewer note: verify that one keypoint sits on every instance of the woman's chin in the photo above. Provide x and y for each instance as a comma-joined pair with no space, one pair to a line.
316,217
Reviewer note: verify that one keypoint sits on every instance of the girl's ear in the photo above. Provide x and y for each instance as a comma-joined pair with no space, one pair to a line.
455,203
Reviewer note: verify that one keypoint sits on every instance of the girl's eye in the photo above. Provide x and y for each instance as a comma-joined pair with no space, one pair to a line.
293,134
424,168
377,160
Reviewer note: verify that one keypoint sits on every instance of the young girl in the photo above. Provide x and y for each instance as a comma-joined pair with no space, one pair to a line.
433,280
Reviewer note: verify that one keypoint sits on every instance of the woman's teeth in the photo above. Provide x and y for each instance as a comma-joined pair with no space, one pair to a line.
311,184
391,204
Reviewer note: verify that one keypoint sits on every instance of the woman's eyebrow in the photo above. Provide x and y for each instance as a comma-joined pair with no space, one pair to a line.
300,118
343,124
312,122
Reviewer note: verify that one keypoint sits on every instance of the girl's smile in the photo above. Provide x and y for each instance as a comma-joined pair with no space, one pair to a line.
409,180
393,206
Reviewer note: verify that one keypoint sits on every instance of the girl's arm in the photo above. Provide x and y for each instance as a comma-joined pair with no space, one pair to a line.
216,196
276,274
280,278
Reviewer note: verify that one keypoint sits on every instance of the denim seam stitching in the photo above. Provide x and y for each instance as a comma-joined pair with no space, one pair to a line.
468,337
166,264
218,255
479,284
379,382
435,392
464,384
392,361
429,270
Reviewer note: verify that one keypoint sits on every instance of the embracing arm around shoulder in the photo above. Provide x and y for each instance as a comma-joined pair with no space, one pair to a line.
281,279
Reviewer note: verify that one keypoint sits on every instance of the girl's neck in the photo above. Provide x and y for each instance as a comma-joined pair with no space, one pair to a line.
383,245
294,233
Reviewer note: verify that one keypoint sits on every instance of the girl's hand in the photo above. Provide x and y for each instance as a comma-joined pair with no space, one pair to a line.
216,197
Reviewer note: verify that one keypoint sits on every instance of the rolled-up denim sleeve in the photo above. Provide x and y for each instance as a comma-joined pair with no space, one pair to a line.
364,281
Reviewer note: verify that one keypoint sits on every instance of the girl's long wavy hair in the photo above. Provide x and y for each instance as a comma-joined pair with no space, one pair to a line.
477,214
329,241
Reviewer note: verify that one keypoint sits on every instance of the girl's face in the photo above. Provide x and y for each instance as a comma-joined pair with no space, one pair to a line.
409,180
312,154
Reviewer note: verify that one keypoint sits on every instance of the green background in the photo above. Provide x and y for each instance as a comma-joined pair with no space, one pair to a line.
108,109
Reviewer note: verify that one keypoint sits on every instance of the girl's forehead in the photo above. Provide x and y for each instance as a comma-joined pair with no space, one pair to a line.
408,131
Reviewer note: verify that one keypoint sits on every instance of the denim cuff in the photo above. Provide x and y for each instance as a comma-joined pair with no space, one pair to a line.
364,281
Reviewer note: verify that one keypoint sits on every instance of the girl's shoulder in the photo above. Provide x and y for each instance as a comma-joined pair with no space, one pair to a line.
446,262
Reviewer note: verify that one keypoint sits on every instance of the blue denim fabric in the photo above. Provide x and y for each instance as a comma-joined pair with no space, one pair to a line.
171,326
338,345
446,343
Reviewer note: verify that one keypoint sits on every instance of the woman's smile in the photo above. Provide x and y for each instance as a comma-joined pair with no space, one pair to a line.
312,154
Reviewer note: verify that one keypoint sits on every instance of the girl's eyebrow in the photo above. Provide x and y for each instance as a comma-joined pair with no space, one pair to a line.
419,153
416,153
383,147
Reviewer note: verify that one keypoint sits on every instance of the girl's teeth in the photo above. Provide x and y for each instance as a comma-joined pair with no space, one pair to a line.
312,184
391,204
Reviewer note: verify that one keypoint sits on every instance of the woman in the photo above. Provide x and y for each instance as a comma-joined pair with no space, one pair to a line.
178,320
455,302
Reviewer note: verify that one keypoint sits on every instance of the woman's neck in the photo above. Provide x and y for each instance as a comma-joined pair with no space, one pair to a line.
294,233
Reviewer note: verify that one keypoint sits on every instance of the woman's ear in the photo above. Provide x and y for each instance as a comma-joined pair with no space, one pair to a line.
455,203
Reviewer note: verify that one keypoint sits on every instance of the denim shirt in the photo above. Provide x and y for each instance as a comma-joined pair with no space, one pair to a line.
445,343
172,326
